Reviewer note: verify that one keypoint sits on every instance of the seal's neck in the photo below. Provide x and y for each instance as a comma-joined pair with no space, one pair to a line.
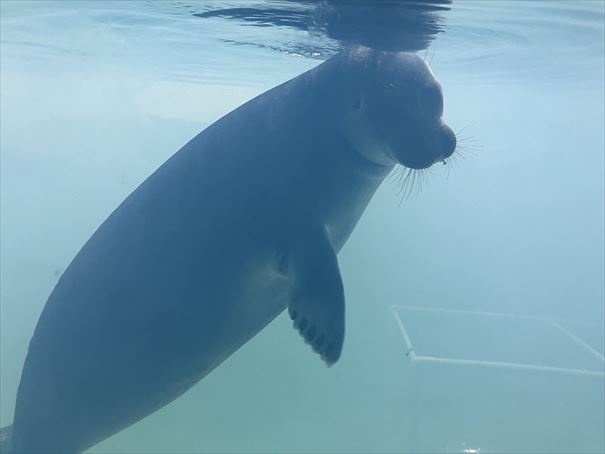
365,167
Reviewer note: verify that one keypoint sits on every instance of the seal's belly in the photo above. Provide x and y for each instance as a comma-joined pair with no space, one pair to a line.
182,309
143,313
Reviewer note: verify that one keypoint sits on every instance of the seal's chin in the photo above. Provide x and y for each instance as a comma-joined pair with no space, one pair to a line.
418,165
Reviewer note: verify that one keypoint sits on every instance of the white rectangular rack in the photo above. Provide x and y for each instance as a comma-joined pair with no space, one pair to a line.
487,339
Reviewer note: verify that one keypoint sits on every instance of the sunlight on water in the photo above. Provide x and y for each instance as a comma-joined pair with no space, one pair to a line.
494,271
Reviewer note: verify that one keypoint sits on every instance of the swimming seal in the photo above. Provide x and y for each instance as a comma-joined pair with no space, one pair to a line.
240,224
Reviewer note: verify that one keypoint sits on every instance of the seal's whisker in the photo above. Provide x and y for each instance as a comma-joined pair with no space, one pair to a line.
410,184
425,56
431,59
466,150
467,147
400,175
414,179
406,184
401,198
460,153
405,180
411,181
457,166
394,174
472,141
468,143
452,169
466,137
470,123
453,164
403,176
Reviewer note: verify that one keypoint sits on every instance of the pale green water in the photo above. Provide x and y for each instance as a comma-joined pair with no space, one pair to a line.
95,96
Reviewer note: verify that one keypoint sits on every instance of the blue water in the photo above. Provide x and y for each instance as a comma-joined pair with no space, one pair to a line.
96,95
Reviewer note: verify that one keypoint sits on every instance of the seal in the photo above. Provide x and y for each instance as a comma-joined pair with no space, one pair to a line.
244,221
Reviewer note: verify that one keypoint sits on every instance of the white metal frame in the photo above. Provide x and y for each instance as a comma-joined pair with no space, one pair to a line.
413,356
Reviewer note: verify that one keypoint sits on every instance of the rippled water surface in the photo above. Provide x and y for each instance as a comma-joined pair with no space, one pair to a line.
474,307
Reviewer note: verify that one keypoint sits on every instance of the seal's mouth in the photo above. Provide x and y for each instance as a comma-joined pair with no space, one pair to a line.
419,165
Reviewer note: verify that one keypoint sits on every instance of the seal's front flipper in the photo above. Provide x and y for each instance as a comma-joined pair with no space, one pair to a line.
317,304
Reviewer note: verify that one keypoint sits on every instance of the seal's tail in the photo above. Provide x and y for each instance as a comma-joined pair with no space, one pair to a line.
6,435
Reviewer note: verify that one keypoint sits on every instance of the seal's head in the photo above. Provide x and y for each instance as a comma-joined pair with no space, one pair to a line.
393,109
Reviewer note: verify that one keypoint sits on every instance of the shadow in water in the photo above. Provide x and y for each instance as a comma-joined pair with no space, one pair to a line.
394,25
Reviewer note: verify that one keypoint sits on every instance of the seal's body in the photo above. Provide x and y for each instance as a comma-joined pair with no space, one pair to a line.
242,222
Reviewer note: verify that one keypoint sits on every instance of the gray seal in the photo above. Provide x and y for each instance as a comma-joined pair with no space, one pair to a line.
244,221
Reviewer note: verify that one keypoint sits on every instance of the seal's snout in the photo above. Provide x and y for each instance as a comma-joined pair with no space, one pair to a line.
437,147
445,144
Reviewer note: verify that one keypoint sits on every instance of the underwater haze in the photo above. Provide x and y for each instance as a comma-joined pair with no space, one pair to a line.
474,296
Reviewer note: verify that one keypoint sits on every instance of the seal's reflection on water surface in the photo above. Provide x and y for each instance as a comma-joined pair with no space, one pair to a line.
389,25
240,224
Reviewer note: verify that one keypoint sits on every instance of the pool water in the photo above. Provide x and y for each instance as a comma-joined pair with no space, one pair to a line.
96,95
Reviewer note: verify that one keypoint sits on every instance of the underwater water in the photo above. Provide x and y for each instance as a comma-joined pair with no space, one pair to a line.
474,307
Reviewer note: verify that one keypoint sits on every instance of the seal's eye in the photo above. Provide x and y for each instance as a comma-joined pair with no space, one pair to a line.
431,100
